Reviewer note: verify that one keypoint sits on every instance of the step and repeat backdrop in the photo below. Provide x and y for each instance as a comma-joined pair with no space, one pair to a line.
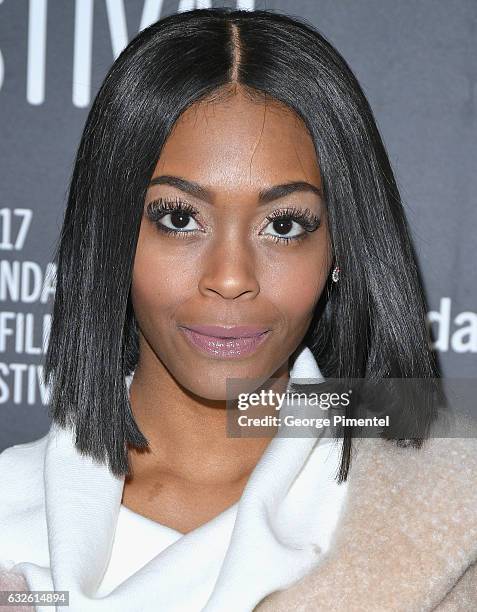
416,62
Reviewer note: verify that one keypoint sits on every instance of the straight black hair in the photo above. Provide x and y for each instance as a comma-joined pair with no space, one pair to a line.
371,324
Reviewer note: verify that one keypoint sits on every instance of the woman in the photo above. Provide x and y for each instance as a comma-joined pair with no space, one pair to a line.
232,214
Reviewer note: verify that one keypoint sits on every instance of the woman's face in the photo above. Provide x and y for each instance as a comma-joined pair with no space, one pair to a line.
233,258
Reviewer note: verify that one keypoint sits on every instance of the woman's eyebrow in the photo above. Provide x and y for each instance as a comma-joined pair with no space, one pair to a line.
264,196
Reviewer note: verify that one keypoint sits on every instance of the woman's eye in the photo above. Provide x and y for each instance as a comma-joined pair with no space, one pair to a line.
292,225
178,220
285,228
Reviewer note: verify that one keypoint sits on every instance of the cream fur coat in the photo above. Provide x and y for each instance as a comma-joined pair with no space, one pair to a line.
407,540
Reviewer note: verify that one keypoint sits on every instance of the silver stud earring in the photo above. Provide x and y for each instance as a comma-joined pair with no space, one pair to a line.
335,274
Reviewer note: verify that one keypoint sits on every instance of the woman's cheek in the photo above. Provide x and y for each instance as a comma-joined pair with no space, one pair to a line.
296,280
160,286
300,294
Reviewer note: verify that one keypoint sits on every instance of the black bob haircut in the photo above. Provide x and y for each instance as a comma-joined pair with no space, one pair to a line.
371,324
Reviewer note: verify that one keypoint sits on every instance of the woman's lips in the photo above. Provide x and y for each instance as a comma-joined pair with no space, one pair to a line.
233,342
232,331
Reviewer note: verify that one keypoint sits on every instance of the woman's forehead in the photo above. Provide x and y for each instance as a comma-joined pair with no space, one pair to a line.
238,139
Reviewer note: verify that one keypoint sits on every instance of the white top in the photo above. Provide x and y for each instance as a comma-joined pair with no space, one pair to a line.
139,539
73,533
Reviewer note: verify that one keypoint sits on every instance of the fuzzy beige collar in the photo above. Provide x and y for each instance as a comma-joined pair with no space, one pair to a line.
406,535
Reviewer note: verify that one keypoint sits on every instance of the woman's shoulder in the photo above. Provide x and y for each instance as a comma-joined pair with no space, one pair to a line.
433,484
442,456
406,507
23,456
21,475
22,504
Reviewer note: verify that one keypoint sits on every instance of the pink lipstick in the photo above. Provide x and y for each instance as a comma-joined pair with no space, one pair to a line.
225,342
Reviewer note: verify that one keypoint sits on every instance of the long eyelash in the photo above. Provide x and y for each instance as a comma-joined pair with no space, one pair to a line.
162,206
157,209
305,217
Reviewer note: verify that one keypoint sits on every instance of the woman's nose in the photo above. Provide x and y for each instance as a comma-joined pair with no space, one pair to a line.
229,269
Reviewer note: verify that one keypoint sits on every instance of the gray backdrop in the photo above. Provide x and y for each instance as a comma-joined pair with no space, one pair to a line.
415,60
